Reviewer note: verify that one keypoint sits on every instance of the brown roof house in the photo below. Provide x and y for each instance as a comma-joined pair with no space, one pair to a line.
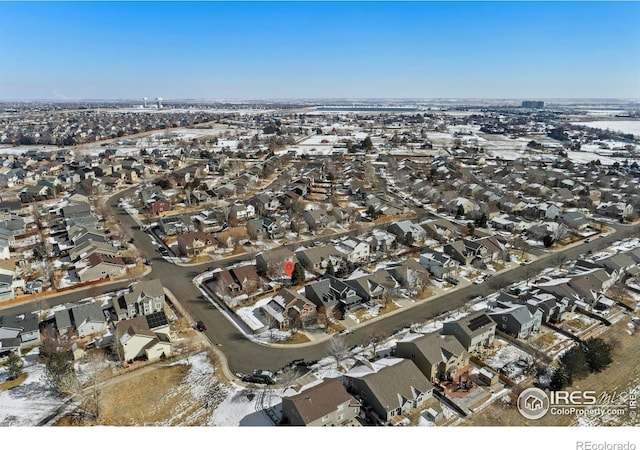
137,341
195,243
99,265
326,404
438,357
228,284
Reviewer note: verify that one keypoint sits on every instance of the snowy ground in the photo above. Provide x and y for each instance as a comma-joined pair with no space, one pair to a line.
623,126
32,401
504,356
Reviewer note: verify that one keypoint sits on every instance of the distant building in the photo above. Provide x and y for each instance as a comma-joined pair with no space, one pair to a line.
532,104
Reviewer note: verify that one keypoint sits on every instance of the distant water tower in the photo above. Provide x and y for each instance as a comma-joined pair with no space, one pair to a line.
145,102
159,102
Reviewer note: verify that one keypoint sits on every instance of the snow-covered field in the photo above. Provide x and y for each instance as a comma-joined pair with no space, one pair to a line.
622,126
32,401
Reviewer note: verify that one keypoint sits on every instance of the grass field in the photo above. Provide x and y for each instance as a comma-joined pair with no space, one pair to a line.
175,395
620,376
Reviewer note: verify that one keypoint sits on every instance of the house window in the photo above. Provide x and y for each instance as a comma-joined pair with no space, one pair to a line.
325,418
341,417
340,407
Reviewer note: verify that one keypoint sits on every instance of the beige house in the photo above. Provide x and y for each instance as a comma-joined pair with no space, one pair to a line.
98,266
323,405
438,357
137,341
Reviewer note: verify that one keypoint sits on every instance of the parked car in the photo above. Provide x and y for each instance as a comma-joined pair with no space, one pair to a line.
260,376
201,326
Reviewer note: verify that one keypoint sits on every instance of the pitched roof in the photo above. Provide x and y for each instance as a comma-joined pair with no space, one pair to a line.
319,400
436,348
150,288
391,380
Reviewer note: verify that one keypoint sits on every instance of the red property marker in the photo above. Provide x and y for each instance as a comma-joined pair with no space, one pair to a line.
288,268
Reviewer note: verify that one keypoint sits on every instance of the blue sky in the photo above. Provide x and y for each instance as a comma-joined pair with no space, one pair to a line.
256,50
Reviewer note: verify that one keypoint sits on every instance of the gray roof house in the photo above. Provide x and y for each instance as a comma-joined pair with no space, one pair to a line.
318,258
516,320
24,327
389,387
406,228
474,331
439,264
143,298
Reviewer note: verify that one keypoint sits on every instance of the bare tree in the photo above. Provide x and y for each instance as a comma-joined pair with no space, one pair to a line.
288,376
521,244
337,348
560,233
374,338
559,259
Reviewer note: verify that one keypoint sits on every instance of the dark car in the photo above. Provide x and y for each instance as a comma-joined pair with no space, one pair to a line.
201,326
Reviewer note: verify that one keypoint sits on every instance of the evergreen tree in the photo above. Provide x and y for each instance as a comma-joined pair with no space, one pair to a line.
597,353
14,365
58,371
298,275
331,270
559,380
574,363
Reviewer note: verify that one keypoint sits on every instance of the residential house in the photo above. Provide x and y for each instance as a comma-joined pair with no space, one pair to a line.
380,240
409,273
468,252
516,320
236,281
160,206
574,220
172,225
10,283
372,288
271,262
586,288
475,331
240,212
439,357
316,220
209,220
440,265
619,265
144,298
89,247
388,387
330,293
408,232
264,204
137,341
288,310
552,306
354,249
324,404
195,243
86,318
23,327
318,258
98,266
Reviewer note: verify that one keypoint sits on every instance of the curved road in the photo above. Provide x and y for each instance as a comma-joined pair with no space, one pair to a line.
244,355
